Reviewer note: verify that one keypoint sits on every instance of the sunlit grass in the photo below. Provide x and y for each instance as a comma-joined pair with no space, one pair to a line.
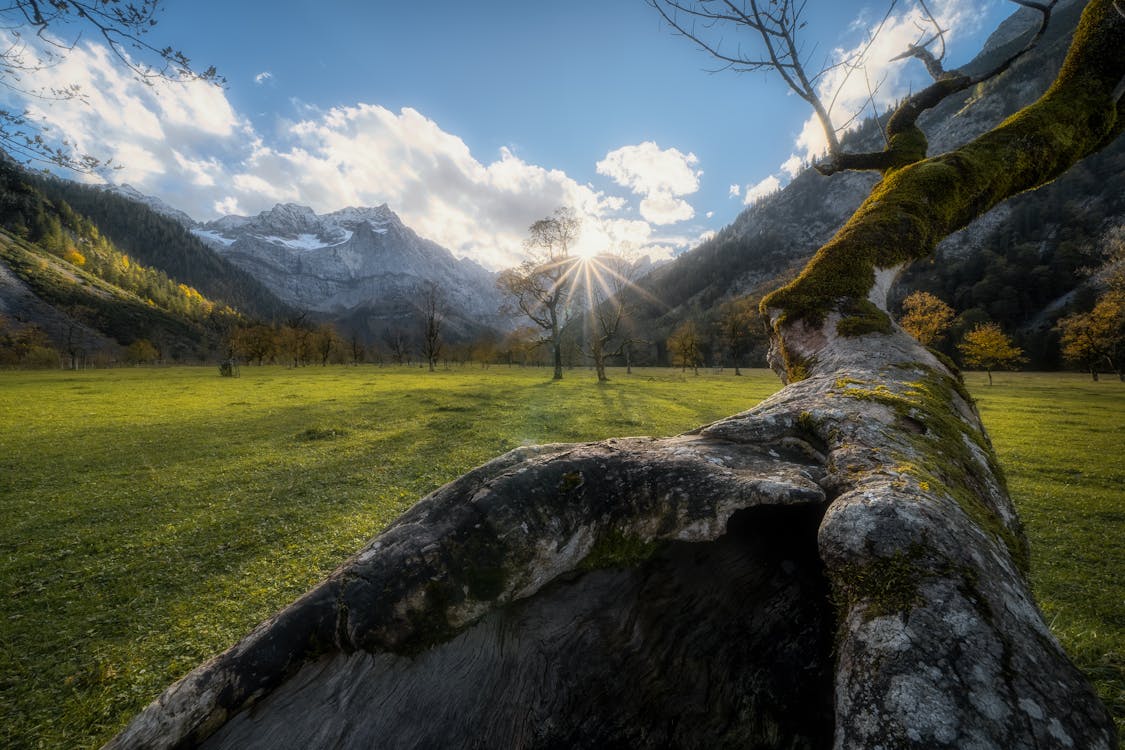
1060,440
151,517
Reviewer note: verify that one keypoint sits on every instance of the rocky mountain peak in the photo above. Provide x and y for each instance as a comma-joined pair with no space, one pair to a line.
378,217
360,264
287,219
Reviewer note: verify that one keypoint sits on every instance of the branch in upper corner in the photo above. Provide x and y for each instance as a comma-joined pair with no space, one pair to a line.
58,26
906,143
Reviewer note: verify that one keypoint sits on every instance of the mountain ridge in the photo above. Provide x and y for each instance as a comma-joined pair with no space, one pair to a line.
363,260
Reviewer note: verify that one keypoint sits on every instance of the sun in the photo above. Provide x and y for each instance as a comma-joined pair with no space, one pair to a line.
587,250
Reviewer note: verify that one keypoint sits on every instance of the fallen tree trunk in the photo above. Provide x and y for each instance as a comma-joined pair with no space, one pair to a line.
841,565
847,543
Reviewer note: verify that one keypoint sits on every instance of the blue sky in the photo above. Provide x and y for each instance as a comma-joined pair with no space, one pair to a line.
471,120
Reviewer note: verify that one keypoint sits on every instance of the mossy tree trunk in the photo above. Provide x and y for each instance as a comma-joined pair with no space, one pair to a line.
919,203
578,595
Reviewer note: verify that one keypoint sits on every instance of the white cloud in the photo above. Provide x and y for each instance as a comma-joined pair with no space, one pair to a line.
735,191
130,123
646,169
793,166
850,92
262,77
228,206
663,208
760,190
661,176
187,145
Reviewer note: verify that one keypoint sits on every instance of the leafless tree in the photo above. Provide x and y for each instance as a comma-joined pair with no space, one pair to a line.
541,287
357,349
398,343
602,280
433,309
776,27
326,341
39,33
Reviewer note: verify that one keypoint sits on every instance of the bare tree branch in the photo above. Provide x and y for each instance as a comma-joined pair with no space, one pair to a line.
777,24
59,25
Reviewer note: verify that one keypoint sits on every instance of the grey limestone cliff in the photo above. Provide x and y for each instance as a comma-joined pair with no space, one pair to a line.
354,260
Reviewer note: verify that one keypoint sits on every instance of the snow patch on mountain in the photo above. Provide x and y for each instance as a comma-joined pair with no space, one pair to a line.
212,238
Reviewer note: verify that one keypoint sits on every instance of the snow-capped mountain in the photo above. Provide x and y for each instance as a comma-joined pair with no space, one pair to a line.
353,262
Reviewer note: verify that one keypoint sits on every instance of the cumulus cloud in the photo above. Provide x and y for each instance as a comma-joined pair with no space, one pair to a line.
793,166
262,77
848,90
228,206
367,155
186,144
735,191
661,176
145,129
761,189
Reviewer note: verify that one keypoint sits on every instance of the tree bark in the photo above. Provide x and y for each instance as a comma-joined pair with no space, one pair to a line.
589,595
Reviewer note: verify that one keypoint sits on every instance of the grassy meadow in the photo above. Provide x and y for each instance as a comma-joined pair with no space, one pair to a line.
151,517
1061,441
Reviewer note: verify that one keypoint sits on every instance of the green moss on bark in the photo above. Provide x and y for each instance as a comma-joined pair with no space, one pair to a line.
884,586
944,460
614,549
916,206
863,317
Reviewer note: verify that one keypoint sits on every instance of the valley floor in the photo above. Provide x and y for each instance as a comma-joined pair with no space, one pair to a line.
153,516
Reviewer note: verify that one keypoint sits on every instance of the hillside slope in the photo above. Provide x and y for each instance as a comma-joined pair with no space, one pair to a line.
1019,265
65,285
161,241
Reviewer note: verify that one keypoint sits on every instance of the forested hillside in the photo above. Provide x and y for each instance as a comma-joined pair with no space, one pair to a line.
68,289
161,242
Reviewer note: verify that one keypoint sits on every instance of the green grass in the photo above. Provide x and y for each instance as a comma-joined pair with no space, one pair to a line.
1059,439
151,517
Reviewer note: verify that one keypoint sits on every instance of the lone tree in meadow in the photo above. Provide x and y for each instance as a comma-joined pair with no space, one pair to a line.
925,317
1097,338
844,556
433,310
741,328
398,344
541,288
685,346
602,280
987,346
